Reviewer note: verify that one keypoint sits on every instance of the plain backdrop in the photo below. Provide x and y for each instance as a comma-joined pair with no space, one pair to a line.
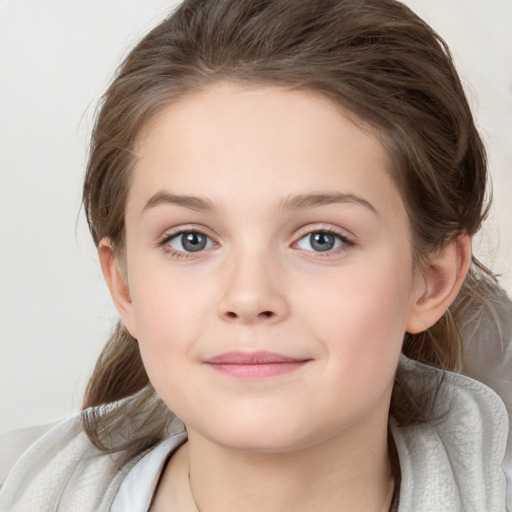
56,58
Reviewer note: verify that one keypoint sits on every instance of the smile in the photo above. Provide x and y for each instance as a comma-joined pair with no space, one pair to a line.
255,365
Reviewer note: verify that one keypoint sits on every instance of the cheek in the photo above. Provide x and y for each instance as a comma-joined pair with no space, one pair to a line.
172,317
168,327
363,335
169,314
360,316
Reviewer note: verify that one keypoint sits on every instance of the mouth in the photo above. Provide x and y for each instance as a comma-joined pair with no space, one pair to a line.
255,365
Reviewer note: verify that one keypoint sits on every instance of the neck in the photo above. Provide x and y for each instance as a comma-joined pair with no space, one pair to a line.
341,474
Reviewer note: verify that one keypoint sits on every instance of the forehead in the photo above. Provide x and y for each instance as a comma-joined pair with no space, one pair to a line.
256,113
230,140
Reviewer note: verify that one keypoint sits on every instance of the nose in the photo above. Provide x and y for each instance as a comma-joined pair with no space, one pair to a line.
253,292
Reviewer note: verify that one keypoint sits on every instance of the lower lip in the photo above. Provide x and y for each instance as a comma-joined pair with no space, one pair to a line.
258,371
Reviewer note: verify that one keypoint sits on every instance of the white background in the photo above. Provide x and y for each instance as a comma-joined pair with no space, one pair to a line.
56,58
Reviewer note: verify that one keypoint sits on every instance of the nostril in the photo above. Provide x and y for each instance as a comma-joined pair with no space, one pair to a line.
263,315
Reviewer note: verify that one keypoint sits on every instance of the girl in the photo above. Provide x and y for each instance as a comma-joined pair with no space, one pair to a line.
283,195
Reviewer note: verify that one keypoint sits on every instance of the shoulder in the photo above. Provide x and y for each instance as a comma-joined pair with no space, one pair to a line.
486,331
14,443
38,477
62,470
454,462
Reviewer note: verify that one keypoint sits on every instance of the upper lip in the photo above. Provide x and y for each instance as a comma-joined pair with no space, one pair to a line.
260,357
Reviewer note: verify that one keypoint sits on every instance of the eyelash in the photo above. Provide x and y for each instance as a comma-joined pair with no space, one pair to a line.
346,242
168,237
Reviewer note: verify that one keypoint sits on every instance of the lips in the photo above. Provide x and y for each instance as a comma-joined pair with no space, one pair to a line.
251,365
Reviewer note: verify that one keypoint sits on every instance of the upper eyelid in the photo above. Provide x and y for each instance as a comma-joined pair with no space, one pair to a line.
324,227
170,233
346,241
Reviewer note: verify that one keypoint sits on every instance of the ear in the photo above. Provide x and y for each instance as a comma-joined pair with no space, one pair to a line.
117,282
439,284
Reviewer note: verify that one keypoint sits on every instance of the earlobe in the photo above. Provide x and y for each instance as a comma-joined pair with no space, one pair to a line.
117,282
439,284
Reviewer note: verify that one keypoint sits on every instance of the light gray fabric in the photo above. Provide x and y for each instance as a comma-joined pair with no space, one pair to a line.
451,465
13,444
61,472
137,490
486,330
454,463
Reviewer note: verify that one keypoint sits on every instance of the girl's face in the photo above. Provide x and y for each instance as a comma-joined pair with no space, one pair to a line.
269,268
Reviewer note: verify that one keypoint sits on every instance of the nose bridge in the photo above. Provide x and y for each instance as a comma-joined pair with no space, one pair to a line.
253,288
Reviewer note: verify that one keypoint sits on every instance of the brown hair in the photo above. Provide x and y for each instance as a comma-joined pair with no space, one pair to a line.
374,58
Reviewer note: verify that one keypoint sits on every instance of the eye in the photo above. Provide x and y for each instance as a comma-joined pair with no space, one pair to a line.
322,241
188,241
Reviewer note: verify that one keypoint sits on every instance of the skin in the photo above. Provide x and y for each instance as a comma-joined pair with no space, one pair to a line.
317,434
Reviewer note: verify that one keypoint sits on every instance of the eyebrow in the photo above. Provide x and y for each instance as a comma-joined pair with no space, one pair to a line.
297,202
305,201
190,202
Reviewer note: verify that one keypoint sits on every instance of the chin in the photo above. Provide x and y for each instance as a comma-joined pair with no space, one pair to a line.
265,437
262,444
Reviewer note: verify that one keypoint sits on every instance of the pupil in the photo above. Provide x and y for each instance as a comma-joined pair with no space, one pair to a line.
322,241
193,242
